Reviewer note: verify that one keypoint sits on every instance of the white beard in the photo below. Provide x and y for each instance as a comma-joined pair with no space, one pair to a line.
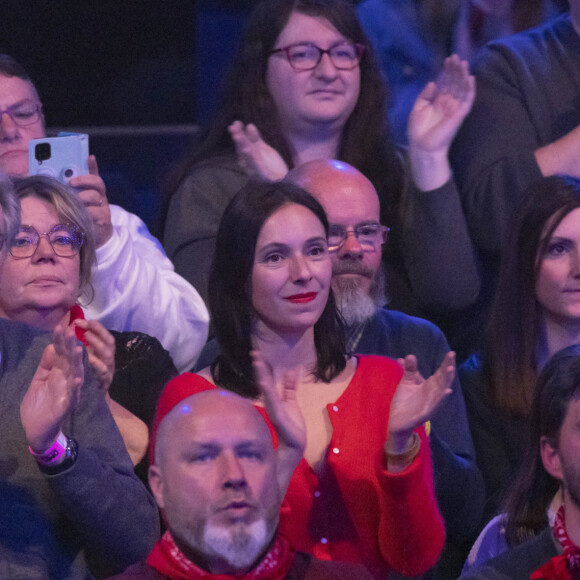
355,304
239,545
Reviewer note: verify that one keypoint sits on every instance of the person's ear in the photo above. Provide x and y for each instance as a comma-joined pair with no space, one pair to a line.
156,484
550,458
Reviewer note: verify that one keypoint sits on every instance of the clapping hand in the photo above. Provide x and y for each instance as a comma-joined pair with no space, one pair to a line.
101,351
441,107
255,156
416,399
54,391
286,417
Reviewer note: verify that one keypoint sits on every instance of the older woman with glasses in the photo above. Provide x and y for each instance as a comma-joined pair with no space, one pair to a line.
305,86
47,266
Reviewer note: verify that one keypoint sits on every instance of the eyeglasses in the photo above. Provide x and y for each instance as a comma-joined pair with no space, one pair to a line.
24,113
307,56
369,236
64,239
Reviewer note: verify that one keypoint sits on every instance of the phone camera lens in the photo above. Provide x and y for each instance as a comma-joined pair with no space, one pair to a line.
42,152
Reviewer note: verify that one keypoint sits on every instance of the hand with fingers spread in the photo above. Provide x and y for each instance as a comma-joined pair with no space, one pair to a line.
286,417
54,391
93,193
415,400
441,107
255,156
101,351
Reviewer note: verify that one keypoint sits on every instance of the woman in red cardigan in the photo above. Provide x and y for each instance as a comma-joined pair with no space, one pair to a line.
363,491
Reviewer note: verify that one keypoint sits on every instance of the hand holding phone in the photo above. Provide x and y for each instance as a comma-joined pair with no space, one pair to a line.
92,191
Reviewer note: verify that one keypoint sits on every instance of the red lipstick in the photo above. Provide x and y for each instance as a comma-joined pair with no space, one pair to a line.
302,298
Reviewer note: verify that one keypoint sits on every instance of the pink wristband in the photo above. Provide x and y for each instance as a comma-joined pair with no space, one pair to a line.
54,453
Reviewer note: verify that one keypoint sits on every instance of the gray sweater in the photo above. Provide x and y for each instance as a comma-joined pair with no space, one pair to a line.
96,515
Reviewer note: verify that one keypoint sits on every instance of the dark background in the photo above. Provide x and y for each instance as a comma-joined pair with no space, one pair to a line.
122,62
139,76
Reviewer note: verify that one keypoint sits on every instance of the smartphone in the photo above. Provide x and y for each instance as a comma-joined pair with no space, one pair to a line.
62,157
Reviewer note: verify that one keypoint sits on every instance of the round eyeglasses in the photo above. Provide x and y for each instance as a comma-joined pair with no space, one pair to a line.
369,236
64,239
307,56
24,113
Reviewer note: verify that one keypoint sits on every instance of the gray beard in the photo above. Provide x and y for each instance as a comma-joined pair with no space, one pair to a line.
239,545
354,303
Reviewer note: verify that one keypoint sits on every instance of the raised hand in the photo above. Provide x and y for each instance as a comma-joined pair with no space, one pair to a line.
416,399
441,107
255,156
54,391
286,417
93,193
101,351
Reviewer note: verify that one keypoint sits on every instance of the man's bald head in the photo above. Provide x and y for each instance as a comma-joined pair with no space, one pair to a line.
329,179
203,408
351,203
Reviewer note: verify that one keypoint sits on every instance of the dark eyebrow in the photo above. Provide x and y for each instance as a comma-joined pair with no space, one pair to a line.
202,446
560,239
250,444
273,246
316,239
281,246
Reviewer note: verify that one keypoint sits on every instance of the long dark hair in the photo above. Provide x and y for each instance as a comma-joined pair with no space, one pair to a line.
365,140
534,487
512,338
229,297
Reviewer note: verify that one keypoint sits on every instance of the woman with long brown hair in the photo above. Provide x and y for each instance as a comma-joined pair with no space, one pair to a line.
536,313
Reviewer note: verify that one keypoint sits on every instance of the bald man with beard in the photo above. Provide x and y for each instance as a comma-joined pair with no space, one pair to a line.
220,484
356,238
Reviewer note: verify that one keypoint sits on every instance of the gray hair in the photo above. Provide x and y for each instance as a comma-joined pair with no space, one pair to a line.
10,209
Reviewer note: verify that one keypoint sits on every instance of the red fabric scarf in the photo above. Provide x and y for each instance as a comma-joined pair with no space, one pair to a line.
168,559
566,565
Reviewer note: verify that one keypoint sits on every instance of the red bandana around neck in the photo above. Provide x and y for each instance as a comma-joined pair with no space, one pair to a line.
565,566
168,559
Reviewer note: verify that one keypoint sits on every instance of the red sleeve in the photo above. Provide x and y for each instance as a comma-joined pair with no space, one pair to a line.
412,532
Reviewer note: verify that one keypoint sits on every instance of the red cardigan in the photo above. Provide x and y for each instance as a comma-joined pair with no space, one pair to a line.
357,511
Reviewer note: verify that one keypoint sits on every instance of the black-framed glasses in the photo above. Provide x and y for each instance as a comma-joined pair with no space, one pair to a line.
64,239
306,55
369,236
24,113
